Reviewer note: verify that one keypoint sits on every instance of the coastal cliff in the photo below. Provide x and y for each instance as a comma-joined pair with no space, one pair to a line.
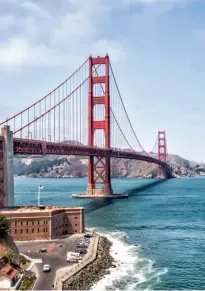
76,167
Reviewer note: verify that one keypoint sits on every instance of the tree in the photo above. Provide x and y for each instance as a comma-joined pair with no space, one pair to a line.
4,226
7,256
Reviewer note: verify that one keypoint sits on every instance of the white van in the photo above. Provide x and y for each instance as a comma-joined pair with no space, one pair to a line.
71,259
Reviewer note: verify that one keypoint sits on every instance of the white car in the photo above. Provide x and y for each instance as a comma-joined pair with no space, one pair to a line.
46,268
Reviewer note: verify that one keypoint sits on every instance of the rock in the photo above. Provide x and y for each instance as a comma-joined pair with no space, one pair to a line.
95,271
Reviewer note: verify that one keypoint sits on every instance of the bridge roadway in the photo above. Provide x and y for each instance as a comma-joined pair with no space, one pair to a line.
37,147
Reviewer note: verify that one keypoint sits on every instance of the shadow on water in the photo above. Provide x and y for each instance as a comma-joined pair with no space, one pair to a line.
137,190
98,203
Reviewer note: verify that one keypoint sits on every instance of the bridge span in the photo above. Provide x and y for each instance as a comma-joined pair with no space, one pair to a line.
86,111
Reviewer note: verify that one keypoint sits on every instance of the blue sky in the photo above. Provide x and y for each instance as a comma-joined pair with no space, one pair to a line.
156,48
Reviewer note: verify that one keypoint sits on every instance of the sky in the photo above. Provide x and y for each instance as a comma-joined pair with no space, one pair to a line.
156,48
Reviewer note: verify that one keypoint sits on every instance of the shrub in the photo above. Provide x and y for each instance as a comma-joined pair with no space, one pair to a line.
4,226
27,282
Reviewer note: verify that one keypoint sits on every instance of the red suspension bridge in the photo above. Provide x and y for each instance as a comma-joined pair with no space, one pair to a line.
86,116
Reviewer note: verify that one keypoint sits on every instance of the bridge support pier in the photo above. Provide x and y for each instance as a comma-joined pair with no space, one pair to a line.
162,173
6,168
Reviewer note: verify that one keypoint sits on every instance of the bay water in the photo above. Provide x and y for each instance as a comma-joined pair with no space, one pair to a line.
158,233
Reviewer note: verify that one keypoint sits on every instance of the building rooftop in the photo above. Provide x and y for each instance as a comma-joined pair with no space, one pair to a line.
42,208
8,272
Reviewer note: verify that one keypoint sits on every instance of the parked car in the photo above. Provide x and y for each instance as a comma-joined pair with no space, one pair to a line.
87,235
84,242
85,239
43,250
46,268
81,246
81,251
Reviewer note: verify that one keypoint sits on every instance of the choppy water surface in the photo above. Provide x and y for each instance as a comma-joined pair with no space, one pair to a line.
167,221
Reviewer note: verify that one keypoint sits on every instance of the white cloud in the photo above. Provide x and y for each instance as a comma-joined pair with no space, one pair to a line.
114,49
49,37
6,21
18,53
34,8
151,1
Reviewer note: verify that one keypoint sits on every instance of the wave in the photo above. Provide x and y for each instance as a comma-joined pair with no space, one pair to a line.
132,271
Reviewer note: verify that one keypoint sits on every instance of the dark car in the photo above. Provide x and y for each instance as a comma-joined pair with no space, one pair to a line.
81,251
43,250
83,247
88,235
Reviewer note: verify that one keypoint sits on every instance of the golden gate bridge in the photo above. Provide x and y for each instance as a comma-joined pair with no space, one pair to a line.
86,116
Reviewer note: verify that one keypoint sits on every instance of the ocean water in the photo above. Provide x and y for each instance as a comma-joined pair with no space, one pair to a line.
165,219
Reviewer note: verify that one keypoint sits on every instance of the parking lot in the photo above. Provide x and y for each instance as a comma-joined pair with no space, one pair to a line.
55,256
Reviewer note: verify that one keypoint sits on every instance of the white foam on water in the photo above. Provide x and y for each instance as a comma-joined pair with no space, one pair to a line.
131,268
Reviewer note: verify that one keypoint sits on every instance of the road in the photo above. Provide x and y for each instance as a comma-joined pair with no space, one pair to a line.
56,257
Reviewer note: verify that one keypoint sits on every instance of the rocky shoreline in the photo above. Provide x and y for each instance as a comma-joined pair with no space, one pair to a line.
90,275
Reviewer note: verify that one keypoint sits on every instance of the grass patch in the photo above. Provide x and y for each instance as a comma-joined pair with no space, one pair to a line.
27,282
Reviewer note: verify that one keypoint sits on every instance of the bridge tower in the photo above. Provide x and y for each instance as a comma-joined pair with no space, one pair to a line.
99,180
99,167
162,152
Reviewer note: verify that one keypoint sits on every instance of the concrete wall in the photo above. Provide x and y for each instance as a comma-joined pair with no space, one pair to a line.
30,229
3,198
69,221
8,166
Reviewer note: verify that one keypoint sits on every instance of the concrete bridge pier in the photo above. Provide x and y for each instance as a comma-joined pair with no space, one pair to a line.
164,173
6,167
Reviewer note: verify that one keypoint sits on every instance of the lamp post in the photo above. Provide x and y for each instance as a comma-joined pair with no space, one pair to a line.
39,193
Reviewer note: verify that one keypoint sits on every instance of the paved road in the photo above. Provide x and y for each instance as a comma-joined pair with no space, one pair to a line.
56,257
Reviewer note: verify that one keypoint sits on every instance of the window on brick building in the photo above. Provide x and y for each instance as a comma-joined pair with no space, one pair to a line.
16,223
21,230
38,229
27,230
75,224
75,230
38,222
32,222
21,223
76,217
32,230
15,230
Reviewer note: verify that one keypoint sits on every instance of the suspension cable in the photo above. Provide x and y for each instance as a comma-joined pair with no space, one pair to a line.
95,70
126,111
